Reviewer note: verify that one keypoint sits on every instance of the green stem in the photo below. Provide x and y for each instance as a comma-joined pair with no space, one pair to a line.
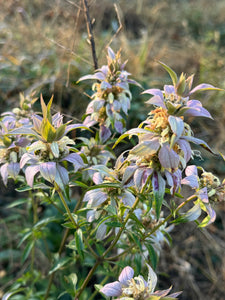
67,208
154,229
170,216
102,283
121,228
66,233
99,260
35,220
89,276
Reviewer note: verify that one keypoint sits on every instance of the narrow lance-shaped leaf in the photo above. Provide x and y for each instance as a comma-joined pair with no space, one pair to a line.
172,74
43,107
49,116
79,243
134,131
48,132
158,184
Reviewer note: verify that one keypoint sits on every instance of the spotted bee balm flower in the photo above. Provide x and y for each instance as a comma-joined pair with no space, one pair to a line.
164,138
11,150
176,98
111,98
208,190
129,287
21,115
51,148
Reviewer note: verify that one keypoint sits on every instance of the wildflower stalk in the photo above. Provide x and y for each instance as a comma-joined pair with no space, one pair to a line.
35,220
102,283
170,216
102,258
66,235
66,207
154,229
73,221
122,228
63,242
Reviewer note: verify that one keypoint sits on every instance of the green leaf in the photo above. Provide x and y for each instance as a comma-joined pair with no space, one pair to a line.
25,237
59,264
79,183
134,131
111,210
43,107
136,220
72,278
114,224
152,255
35,187
60,132
158,193
136,240
104,185
45,221
27,250
68,225
48,132
172,74
158,199
17,202
79,243
49,116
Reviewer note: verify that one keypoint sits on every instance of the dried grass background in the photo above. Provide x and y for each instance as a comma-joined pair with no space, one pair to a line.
43,47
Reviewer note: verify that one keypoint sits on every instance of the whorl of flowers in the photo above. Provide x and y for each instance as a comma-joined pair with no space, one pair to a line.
176,98
208,190
163,149
50,149
135,288
111,98
21,115
11,150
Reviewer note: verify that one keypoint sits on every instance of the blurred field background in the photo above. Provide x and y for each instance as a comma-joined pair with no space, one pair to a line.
44,47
